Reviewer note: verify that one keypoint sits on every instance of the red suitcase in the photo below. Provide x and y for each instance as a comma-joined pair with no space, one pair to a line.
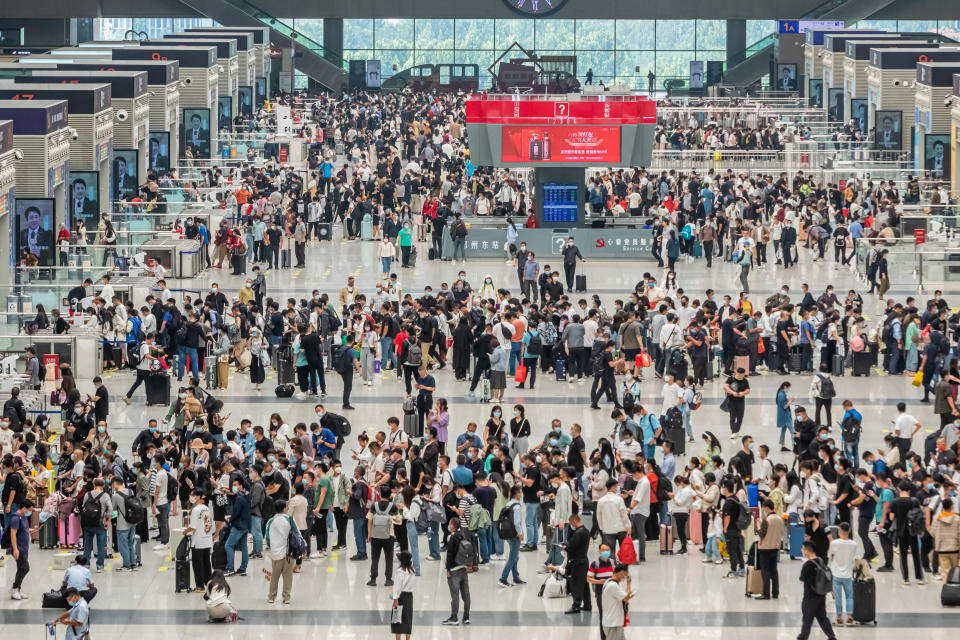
69,530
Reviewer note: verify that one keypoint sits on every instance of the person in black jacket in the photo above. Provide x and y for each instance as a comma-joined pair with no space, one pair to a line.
149,436
14,411
457,575
578,543
311,345
814,605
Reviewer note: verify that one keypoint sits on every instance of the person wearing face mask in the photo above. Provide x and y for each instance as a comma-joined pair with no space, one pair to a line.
487,290
149,436
571,253
77,617
407,251
200,531
240,522
18,532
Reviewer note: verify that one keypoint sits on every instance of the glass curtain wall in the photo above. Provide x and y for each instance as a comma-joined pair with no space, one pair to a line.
616,51
115,28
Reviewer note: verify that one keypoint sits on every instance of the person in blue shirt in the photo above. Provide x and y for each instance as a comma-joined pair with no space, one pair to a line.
203,235
246,440
324,440
18,524
240,521
855,228
851,450
530,355
77,617
808,336
884,519
650,424
707,200
79,577
468,439
669,465
462,473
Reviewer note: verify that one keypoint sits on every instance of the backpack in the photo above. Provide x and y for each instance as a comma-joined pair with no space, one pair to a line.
137,329
414,354
478,517
627,554
822,331
409,405
744,518
466,552
548,333
535,347
380,525
628,403
850,430
827,390
422,522
172,487
91,514
296,545
822,578
506,528
887,334
677,358
133,511
697,400
664,488
687,232
341,362
916,522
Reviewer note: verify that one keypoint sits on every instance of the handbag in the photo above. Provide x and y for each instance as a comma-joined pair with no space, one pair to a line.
521,375
396,616
725,405
220,499
918,379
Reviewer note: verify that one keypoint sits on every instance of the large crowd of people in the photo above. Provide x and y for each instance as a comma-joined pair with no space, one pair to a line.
424,486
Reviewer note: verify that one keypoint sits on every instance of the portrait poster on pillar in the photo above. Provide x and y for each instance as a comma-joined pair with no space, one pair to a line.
126,165
158,152
34,230
260,84
859,113
225,113
815,93
835,105
195,135
245,100
936,156
84,199
696,74
786,77
889,130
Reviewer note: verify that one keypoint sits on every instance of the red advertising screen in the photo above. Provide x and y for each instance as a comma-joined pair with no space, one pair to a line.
560,144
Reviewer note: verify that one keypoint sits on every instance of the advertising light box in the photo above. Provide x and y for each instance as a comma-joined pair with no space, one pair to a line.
560,144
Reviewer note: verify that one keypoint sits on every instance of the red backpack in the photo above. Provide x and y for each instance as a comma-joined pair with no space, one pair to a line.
627,554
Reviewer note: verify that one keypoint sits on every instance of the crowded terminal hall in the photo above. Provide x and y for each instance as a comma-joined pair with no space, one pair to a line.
581,321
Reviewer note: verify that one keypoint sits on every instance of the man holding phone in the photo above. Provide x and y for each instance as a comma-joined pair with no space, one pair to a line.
614,598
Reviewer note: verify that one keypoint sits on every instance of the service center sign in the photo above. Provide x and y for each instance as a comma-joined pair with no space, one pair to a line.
560,144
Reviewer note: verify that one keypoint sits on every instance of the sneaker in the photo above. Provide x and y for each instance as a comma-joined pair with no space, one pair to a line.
921,581
906,583
733,436
839,622
466,621
126,400
718,562
503,583
229,573
371,583
99,569
706,561
270,600
450,622
315,555
286,601
731,574
16,595
159,547
388,583
885,569
519,582
339,547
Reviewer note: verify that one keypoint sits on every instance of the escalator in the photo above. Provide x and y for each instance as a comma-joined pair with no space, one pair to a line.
311,59
747,66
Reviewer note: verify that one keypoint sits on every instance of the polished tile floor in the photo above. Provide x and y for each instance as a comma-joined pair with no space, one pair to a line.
680,597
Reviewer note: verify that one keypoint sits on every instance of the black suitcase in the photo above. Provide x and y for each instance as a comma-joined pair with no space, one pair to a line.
837,365
53,599
285,368
285,258
431,254
796,360
220,553
158,389
862,361
949,595
238,262
865,601
678,437
581,283
284,390
136,546
183,576
48,534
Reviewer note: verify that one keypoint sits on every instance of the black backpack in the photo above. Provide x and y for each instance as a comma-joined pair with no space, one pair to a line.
506,529
851,430
827,390
133,511
916,522
172,487
91,513
822,578
535,347
341,363
466,552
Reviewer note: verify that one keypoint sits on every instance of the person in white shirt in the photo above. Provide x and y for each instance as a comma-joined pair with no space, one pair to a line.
628,448
200,531
613,596
842,555
611,514
679,506
640,509
590,328
905,426
764,470
275,548
672,393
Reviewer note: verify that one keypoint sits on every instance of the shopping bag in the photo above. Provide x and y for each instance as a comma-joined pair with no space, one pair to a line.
760,347
642,359
918,379
627,553
397,614
521,375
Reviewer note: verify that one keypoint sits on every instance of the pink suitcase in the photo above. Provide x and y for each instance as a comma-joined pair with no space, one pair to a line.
69,530
696,534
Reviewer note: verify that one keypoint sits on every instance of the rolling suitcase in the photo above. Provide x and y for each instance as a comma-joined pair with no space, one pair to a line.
136,548
68,531
678,437
949,592
211,372
797,533
413,257
485,393
865,601
696,532
560,369
796,360
285,258
220,553
862,361
431,254
285,367
158,389
48,533
754,586
666,539
411,425
182,576
580,283
837,365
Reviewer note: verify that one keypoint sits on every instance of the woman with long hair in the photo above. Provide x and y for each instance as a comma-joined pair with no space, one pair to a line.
519,431
785,415
713,449
405,580
412,506
217,599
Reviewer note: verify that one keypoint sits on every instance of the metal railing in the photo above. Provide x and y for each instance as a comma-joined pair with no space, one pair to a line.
934,264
